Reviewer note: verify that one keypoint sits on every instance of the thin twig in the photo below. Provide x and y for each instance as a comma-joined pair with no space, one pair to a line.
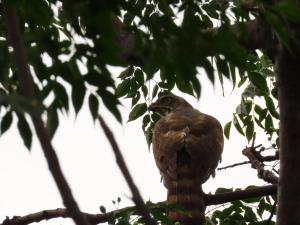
136,196
26,86
234,165
268,158
102,218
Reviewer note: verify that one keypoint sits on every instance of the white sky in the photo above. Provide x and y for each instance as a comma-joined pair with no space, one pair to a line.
89,164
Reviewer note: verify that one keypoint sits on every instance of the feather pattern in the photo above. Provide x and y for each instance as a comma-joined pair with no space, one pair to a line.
187,146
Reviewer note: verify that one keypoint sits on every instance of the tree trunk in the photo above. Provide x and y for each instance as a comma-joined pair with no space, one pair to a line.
288,69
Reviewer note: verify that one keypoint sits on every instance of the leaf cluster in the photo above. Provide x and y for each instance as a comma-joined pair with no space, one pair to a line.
244,212
259,103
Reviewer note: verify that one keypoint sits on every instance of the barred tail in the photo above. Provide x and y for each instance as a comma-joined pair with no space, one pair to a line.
185,192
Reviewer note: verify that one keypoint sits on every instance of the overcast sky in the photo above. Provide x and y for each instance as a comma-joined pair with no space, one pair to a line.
89,164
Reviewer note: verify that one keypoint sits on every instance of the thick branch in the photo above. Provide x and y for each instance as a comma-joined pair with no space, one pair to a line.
26,84
240,195
137,198
262,173
258,36
102,218
256,163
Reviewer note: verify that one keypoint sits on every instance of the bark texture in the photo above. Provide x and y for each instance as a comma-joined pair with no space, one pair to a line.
288,68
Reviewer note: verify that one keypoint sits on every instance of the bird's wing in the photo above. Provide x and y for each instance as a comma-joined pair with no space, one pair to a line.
197,133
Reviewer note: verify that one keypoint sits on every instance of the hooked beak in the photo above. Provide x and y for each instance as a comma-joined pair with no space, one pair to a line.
152,107
162,111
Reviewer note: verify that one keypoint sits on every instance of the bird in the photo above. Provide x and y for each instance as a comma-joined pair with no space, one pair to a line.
187,147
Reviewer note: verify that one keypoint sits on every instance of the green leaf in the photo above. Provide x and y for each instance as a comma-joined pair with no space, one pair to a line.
208,69
271,107
139,76
223,190
155,117
258,122
290,9
78,93
93,105
52,120
135,99
149,10
137,111
211,11
154,91
160,216
237,125
183,86
258,109
259,81
102,209
196,87
111,102
146,121
249,130
233,74
24,130
128,18
274,92
248,105
145,91
269,123
126,73
260,112
222,67
227,129
251,200
6,122
61,95
261,207
165,8
123,88
249,215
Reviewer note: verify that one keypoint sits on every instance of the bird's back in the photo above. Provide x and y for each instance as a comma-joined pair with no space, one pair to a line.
187,146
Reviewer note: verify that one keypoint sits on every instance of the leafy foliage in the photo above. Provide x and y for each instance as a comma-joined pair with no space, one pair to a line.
70,45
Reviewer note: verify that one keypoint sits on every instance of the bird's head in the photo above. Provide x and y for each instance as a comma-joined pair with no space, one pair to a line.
168,103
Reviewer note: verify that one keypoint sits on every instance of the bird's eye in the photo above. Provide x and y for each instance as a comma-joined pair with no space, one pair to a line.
167,100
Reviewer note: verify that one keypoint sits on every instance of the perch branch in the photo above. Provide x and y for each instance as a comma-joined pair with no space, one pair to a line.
240,195
26,85
254,156
102,218
136,196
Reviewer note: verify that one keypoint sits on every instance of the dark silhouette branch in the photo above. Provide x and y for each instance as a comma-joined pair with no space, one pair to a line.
268,158
26,86
258,36
234,165
102,218
254,158
240,195
136,196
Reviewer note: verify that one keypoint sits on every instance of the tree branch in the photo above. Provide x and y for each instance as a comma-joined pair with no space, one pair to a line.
136,196
26,85
262,173
240,195
268,158
102,218
258,36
